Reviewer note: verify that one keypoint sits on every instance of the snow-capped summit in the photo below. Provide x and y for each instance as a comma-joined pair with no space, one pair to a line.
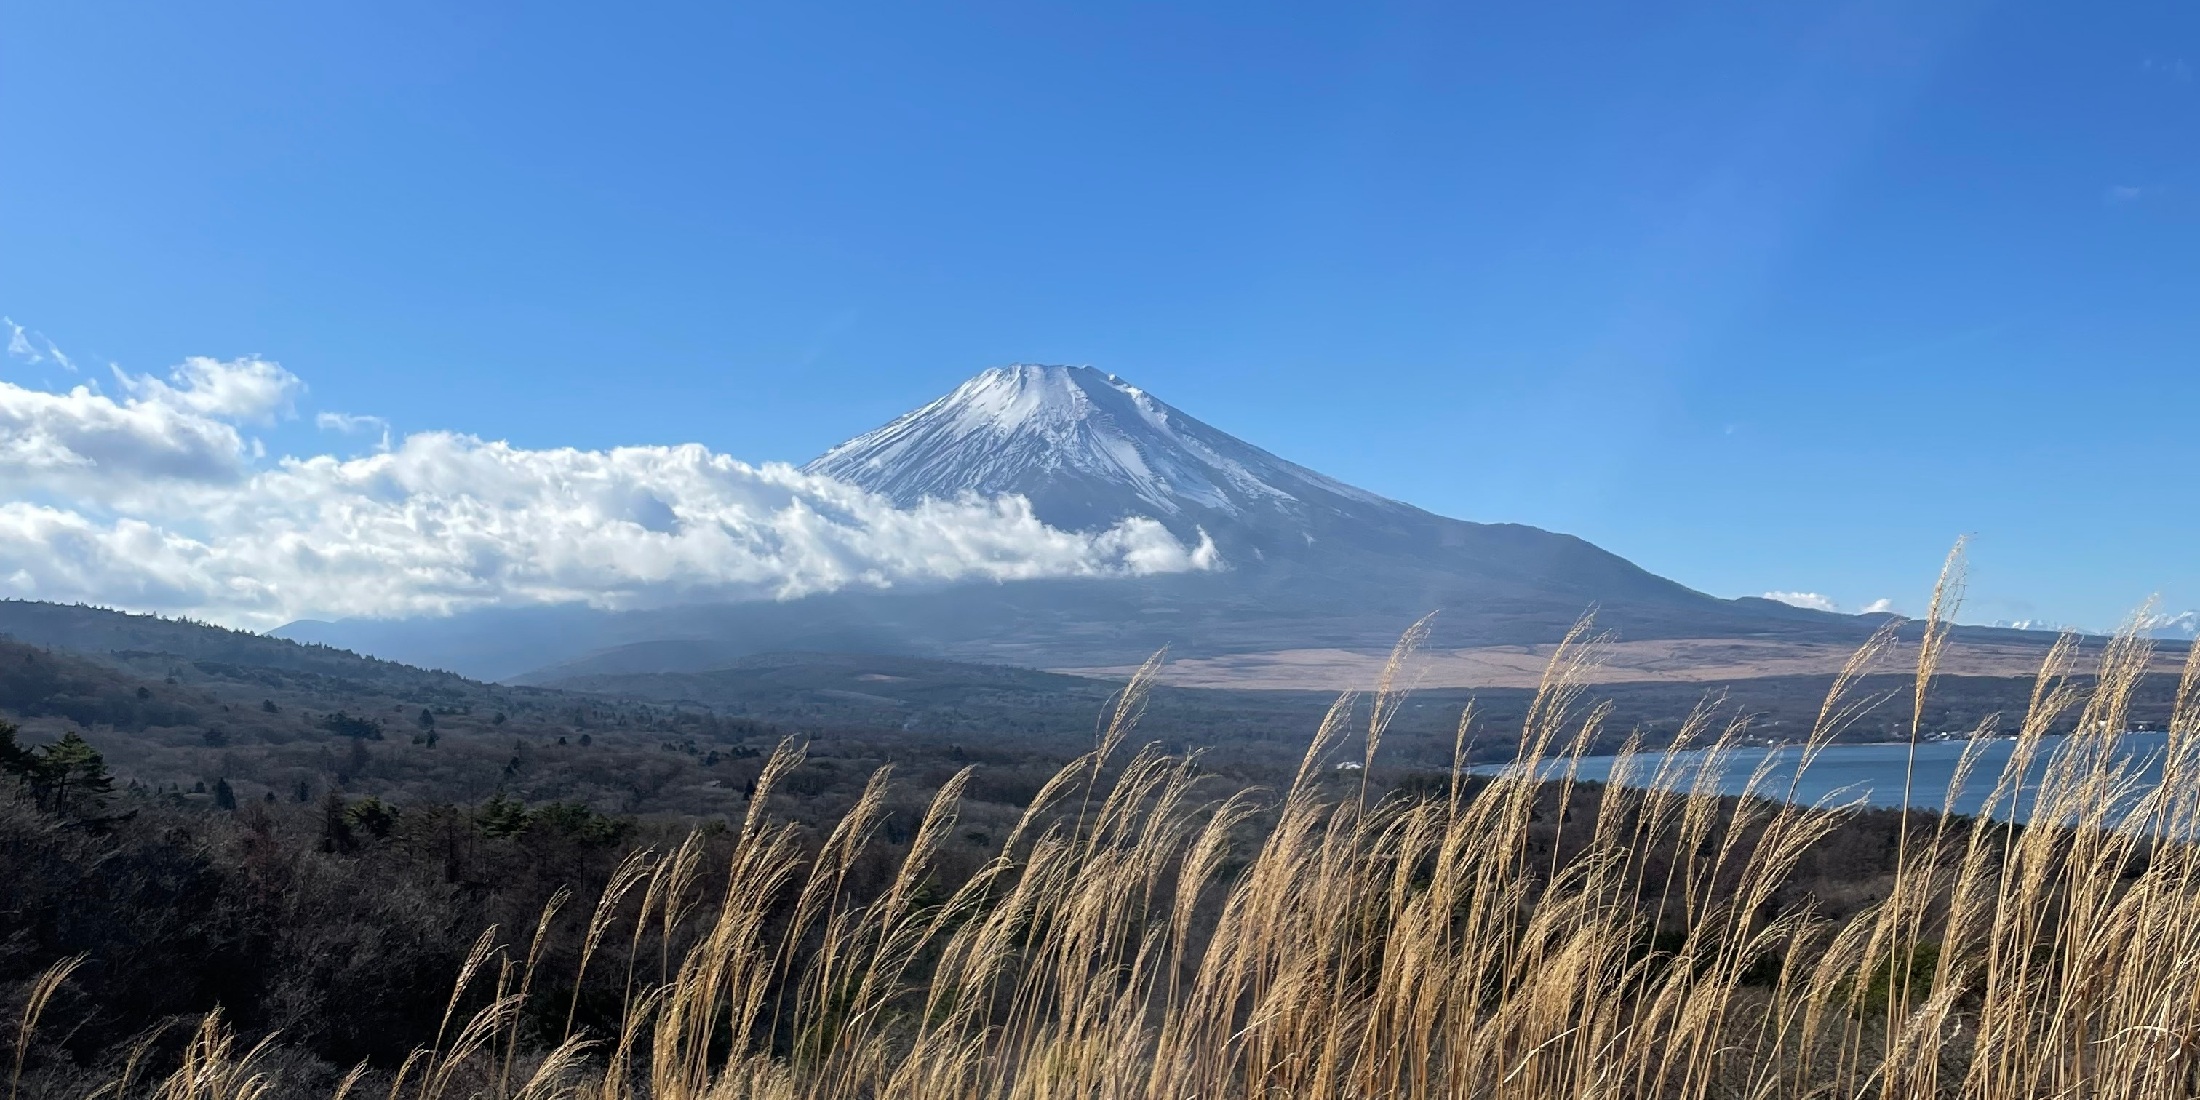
1086,448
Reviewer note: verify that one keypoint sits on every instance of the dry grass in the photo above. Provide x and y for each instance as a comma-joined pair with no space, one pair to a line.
1137,938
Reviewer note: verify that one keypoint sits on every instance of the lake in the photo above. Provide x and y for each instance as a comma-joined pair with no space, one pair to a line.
1871,774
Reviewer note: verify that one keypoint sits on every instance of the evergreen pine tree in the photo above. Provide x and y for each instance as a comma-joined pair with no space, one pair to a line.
70,776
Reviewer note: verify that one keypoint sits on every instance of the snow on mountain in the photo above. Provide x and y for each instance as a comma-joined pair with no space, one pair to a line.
2181,627
1088,448
2039,625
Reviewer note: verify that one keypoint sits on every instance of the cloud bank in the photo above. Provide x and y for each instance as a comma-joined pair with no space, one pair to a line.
1811,600
158,499
1816,602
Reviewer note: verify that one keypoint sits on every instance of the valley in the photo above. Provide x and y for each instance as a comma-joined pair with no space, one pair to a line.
181,708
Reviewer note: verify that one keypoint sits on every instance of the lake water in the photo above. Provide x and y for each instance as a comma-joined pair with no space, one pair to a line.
1870,774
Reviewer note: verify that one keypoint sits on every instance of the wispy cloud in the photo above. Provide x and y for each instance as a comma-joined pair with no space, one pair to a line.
2172,70
2119,194
354,424
19,344
349,423
158,500
23,345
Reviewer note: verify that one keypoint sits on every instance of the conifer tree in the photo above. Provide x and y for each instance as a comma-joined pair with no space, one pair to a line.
70,776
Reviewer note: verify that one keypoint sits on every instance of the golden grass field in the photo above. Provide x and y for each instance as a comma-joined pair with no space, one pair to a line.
1135,939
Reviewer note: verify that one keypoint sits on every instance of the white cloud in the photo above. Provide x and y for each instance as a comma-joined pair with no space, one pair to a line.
158,502
1811,600
183,427
1817,602
2121,193
249,389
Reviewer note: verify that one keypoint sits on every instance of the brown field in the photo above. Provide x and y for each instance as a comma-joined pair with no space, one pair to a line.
1683,660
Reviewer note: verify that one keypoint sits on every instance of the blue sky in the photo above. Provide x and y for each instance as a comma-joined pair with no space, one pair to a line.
1765,297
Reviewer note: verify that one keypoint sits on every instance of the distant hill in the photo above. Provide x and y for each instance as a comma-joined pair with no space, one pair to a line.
179,705
85,629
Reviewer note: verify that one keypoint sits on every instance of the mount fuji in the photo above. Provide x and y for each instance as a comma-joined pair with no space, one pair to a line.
1298,560
1089,450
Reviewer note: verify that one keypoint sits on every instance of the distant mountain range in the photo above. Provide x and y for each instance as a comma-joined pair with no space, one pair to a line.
2182,626
1303,560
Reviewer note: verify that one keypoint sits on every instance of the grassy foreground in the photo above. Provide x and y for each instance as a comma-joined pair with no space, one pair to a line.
1138,938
